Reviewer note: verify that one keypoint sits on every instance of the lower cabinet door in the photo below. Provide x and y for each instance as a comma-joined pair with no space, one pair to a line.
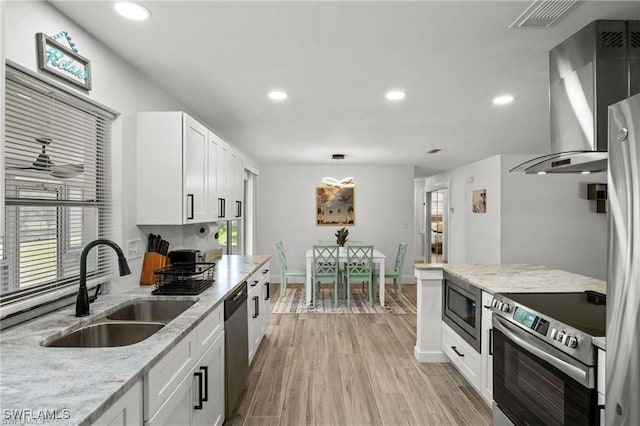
178,408
125,411
211,365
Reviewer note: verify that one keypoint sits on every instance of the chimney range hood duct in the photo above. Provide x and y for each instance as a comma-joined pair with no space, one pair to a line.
596,67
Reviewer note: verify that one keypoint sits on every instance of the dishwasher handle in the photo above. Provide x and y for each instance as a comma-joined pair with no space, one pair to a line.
235,300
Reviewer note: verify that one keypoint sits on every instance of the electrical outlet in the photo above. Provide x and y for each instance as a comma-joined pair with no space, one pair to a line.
134,249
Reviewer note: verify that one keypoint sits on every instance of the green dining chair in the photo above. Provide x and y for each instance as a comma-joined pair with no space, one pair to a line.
287,273
396,273
325,268
359,267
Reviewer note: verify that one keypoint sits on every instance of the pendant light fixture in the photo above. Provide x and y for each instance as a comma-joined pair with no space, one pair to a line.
346,182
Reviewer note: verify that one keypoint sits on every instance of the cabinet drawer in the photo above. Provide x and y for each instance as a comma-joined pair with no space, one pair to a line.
209,329
462,355
164,377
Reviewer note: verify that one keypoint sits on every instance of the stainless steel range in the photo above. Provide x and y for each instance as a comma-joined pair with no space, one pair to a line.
544,360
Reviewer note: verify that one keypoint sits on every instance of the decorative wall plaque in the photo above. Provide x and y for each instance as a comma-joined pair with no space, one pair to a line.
63,62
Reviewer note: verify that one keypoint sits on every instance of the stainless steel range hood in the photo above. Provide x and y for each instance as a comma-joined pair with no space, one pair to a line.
596,67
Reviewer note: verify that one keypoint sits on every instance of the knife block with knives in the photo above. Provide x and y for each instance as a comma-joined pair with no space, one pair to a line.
154,258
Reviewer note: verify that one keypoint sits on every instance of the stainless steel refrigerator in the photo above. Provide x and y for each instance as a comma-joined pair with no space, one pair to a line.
623,281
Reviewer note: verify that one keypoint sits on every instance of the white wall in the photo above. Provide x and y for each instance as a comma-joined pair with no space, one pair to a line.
383,210
530,218
548,220
116,85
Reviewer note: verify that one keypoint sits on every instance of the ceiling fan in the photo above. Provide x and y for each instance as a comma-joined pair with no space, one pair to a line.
44,163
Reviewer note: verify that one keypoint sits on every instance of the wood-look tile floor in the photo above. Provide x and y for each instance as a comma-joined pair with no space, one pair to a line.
352,369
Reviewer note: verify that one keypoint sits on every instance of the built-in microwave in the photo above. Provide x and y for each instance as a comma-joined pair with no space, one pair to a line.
462,309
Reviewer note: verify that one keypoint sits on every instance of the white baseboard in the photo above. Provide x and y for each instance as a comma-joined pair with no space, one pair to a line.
429,356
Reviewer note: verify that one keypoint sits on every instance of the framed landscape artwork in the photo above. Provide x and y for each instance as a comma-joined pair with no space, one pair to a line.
335,206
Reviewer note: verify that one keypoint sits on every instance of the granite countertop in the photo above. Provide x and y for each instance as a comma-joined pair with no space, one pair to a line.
518,278
86,381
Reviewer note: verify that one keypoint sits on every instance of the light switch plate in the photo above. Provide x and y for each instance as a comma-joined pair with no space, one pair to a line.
134,249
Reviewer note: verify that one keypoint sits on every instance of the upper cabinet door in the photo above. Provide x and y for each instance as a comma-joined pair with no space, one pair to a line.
212,177
237,192
195,171
224,202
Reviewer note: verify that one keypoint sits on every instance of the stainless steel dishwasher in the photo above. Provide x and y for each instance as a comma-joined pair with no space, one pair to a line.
236,348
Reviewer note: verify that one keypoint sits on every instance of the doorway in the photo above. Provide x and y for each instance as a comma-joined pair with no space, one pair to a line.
436,220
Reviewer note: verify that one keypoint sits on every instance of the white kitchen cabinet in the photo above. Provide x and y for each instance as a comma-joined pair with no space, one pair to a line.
466,359
486,381
186,386
258,308
237,189
173,170
230,182
127,410
224,181
211,365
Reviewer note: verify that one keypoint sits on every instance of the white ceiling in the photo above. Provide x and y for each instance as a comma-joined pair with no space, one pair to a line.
336,60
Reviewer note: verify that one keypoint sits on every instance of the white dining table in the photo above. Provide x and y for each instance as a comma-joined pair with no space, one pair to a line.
378,259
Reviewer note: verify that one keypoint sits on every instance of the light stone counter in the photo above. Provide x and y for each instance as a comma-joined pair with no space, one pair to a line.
600,342
84,382
491,278
518,278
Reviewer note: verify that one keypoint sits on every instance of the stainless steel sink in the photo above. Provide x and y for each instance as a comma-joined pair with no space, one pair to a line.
151,310
107,334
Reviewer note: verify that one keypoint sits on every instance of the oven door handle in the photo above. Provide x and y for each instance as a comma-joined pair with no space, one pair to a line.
581,375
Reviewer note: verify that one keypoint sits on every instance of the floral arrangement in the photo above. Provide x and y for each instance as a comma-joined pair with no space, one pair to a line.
341,236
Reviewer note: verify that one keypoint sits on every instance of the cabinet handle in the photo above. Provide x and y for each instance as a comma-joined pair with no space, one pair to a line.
198,406
255,282
238,208
267,285
256,306
265,271
456,351
190,202
491,341
206,383
222,207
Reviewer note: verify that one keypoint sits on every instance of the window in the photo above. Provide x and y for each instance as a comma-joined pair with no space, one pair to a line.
229,236
57,191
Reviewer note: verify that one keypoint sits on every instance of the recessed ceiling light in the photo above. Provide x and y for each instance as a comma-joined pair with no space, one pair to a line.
542,173
133,11
278,95
503,99
395,95
585,172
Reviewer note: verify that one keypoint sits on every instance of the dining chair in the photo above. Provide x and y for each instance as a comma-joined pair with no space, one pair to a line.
359,267
396,273
325,268
287,273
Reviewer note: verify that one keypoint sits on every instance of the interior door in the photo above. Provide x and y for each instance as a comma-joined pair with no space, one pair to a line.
436,212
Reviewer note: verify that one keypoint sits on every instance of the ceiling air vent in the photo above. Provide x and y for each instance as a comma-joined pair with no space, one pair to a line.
634,39
543,13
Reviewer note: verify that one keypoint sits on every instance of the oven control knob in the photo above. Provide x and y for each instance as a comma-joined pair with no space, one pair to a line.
571,341
554,333
494,303
505,308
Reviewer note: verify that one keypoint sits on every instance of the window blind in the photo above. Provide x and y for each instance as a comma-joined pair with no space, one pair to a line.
57,188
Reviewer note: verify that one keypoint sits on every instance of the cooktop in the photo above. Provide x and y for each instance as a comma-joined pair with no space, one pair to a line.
584,311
